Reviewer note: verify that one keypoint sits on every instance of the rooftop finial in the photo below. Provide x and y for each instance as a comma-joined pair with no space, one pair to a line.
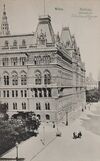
4,7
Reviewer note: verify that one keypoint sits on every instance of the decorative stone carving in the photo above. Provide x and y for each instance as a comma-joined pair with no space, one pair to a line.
41,38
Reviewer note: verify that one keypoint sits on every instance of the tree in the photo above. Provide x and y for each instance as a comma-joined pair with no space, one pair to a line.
3,111
29,119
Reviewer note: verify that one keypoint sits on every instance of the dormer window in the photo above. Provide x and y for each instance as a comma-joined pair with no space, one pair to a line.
23,42
41,38
15,43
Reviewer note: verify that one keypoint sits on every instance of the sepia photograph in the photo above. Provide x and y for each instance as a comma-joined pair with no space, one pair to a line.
49,80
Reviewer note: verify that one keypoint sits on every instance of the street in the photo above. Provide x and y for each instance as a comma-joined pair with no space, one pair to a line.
65,148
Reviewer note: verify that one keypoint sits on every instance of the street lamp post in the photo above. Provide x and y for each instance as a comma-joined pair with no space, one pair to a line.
44,134
58,133
16,151
66,118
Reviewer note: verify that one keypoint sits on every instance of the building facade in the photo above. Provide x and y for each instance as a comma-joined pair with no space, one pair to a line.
91,83
41,72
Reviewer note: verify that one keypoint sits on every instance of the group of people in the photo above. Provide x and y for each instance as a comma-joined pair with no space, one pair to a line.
77,135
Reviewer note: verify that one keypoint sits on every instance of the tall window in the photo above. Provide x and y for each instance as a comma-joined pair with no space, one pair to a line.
23,78
35,60
7,93
7,105
25,93
23,106
22,60
6,79
49,92
4,93
15,43
46,59
36,92
14,79
23,42
38,106
16,93
14,61
47,77
38,77
12,93
5,61
47,106
40,92
15,106
21,93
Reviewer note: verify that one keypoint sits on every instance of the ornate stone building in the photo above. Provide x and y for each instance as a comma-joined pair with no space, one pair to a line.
41,72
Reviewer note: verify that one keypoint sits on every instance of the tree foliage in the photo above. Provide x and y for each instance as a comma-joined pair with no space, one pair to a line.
19,128
3,112
92,95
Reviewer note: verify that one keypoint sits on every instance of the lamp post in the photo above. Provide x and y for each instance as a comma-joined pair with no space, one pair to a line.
58,133
66,118
16,151
44,135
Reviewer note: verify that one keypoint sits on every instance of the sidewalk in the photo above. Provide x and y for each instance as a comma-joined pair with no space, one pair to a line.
64,148
31,147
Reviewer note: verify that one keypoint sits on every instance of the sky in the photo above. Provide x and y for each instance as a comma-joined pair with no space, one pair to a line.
81,16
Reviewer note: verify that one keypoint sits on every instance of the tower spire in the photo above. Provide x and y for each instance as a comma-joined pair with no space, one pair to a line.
4,25
4,7
44,7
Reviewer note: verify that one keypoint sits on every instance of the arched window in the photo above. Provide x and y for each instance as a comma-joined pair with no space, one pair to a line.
14,78
47,77
14,106
47,117
37,77
23,106
6,78
23,42
6,105
15,43
39,117
23,78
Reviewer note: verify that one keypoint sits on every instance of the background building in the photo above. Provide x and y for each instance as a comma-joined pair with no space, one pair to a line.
41,72
91,83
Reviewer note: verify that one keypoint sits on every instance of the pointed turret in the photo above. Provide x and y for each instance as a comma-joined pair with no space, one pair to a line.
44,32
66,37
57,37
4,25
